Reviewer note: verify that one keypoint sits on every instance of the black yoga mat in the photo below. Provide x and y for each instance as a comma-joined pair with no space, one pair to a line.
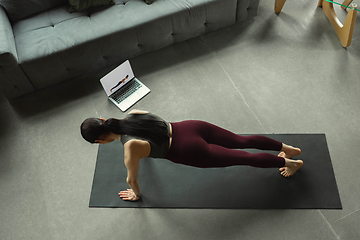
168,185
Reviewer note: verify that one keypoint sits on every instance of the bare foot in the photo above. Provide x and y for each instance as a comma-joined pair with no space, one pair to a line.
291,166
289,151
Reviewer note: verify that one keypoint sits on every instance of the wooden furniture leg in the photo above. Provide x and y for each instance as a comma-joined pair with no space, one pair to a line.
279,5
344,32
346,3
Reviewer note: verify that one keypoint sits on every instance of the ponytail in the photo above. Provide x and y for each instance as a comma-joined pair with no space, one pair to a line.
153,130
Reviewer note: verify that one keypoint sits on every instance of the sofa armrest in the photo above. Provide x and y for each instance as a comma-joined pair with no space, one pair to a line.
13,81
8,54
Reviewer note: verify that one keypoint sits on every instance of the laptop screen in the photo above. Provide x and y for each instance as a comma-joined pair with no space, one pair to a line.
117,78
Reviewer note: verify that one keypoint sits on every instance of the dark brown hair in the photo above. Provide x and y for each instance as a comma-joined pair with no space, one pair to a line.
93,128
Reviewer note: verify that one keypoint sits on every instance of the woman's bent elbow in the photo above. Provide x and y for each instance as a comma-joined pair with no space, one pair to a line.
130,181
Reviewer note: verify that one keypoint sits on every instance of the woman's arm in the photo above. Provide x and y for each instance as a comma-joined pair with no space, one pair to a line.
134,150
137,111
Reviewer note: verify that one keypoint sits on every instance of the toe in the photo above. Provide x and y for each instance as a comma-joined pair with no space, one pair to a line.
281,154
285,173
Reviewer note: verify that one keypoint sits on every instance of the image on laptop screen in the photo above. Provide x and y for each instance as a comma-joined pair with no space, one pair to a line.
117,78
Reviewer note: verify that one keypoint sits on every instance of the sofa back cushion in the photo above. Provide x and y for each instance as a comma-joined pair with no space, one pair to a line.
18,9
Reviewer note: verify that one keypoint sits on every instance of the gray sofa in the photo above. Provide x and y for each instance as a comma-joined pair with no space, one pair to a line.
42,44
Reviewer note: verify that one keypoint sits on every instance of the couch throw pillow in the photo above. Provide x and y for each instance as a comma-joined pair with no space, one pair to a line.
80,5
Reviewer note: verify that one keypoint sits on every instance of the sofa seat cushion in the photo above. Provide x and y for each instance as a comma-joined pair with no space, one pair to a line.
56,45
19,9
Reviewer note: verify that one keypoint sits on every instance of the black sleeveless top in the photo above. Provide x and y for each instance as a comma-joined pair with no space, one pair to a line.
158,150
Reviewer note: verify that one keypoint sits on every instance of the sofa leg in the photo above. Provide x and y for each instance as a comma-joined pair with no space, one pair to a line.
344,32
279,5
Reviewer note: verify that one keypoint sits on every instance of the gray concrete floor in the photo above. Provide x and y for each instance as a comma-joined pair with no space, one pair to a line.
275,74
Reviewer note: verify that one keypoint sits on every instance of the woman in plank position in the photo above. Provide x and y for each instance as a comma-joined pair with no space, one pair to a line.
194,143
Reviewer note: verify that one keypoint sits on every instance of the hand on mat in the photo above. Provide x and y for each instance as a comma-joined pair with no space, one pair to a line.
128,195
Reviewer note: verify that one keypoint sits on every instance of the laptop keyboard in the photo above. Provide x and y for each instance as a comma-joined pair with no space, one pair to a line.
126,91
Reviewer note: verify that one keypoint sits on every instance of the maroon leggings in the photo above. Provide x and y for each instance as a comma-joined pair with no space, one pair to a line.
204,145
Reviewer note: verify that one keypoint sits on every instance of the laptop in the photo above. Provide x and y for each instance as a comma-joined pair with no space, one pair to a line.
122,88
